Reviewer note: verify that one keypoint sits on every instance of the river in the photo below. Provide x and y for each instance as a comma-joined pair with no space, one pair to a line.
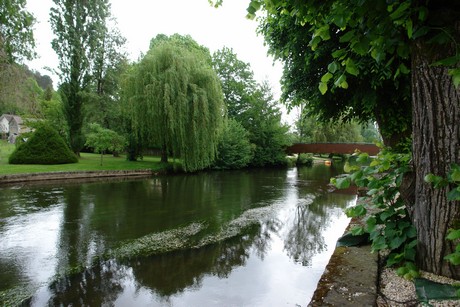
237,238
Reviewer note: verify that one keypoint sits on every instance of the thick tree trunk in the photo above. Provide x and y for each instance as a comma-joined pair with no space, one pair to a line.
436,137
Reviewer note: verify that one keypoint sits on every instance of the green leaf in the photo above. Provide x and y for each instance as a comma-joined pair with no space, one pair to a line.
450,61
397,242
339,53
422,13
403,68
455,73
454,234
363,158
454,194
371,223
322,88
351,68
361,47
347,36
356,211
343,183
323,32
455,173
420,32
377,54
400,10
357,230
409,28
340,21
341,81
332,67
403,51
372,192
326,77
429,178
453,258
356,175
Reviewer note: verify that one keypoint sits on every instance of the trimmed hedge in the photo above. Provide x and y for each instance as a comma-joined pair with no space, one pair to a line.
45,146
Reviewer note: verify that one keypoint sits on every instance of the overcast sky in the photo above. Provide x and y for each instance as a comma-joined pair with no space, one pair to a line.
141,20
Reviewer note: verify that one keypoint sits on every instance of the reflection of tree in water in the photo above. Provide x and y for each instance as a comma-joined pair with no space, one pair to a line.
171,273
98,286
305,238
165,274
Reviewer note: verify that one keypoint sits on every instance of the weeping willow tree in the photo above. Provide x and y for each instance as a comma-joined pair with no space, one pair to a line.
174,101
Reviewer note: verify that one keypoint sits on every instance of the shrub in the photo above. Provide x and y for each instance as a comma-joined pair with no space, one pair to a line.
234,149
44,146
304,159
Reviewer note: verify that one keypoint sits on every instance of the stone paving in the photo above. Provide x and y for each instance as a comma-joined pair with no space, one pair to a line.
350,278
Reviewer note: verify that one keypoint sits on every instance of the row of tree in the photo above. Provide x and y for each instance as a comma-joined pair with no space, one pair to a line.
176,98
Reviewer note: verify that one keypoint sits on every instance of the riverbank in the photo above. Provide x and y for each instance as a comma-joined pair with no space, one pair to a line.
356,277
74,175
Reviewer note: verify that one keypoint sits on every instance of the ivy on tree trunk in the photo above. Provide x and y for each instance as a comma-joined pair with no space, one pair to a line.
436,126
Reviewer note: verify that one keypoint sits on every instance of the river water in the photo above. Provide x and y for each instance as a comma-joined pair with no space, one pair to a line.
239,238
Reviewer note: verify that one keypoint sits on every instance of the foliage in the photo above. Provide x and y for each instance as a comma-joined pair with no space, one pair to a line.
80,29
362,97
387,221
305,159
103,139
453,182
234,150
52,110
311,130
238,83
103,103
253,106
16,33
174,101
45,146
266,132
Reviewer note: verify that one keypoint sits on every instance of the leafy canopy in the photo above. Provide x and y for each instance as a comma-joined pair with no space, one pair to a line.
16,34
174,101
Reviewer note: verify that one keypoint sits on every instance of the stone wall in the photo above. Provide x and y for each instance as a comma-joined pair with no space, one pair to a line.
18,178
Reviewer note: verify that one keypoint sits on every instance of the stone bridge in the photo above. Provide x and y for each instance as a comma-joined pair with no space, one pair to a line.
333,148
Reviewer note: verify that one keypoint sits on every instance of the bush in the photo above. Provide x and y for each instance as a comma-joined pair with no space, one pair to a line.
45,146
304,159
234,149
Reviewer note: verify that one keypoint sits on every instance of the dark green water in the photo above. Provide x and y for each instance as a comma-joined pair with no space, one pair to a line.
242,238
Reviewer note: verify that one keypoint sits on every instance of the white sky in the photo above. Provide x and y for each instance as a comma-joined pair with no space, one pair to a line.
141,20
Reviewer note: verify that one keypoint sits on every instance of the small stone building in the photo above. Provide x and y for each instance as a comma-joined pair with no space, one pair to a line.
11,126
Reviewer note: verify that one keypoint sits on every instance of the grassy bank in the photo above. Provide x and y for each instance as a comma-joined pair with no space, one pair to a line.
87,162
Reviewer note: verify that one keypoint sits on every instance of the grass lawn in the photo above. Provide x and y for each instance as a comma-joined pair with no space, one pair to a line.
87,162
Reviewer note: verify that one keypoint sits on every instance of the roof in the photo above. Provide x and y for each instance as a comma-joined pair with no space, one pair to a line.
11,117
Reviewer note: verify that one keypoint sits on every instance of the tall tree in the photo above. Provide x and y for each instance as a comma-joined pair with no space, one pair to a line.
237,79
176,102
426,32
80,29
104,106
16,33
253,106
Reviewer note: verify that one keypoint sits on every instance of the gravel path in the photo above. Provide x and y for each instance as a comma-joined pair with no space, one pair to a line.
396,291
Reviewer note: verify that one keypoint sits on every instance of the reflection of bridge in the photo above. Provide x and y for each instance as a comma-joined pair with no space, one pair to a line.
332,148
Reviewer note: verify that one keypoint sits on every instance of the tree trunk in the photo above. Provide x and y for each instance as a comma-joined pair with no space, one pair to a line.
436,137
164,154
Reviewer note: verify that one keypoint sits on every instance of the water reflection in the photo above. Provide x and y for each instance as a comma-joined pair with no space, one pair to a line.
97,217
